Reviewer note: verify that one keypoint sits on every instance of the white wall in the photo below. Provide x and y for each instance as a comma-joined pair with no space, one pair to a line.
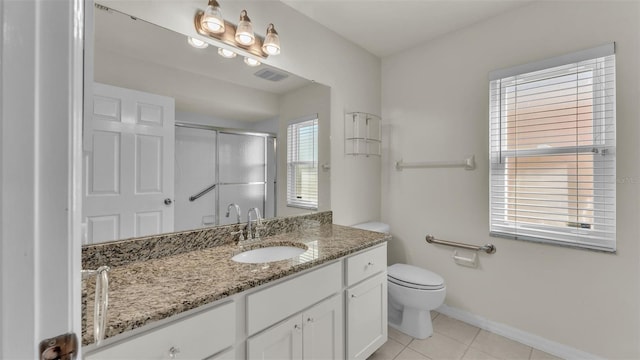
435,107
309,100
313,52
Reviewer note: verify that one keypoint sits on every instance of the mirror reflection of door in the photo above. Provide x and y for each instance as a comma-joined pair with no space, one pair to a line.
128,151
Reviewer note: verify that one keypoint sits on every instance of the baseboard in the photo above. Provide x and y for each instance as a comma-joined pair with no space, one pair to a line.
538,342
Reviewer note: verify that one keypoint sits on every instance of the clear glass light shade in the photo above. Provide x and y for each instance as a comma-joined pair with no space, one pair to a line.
251,62
196,43
244,31
226,53
212,19
271,43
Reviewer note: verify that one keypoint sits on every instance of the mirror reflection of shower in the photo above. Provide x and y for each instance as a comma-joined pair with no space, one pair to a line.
219,167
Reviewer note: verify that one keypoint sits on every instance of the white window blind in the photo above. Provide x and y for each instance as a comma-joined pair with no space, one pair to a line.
552,151
302,164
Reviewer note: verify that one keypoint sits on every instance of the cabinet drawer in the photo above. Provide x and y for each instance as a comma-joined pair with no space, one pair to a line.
196,337
268,306
370,262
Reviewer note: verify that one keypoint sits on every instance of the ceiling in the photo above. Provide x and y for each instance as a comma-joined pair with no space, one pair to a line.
387,27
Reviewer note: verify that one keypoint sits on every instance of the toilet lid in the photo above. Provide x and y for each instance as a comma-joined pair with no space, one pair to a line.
413,276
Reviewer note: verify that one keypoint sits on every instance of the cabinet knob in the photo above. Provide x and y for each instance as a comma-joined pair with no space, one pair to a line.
370,263
173,352
310,320
297,327
353,296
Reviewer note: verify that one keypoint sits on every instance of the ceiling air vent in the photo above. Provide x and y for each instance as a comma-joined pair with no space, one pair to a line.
271,75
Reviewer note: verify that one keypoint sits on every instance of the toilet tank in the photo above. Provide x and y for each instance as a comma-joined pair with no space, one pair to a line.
374,226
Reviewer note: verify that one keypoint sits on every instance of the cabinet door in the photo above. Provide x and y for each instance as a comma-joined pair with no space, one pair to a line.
366,317
323,330
281,342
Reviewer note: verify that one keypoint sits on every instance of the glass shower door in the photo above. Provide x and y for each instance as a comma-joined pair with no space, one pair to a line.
242,174
195,171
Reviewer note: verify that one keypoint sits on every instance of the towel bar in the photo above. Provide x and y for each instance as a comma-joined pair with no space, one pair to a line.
468,164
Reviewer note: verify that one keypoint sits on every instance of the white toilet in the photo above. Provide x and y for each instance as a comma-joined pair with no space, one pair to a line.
412,291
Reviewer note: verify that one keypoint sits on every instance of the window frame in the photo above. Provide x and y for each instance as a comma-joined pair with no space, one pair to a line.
292,165
500,225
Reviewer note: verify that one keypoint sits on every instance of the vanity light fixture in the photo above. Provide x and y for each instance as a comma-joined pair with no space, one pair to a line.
272,41
251,62
197,43
226,53
212,19
210,23
244,31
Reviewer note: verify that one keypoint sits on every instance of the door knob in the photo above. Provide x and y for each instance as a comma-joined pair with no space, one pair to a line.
168,201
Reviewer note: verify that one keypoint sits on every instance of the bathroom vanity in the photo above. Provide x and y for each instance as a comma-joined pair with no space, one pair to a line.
329,302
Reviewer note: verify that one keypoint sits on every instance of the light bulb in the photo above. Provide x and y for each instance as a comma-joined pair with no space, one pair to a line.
271,43
196,43
226,53
212,19
244,30
251,62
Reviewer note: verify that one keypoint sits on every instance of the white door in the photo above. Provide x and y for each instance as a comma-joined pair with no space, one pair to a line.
281,342
322,331
41,101
128,167
366,317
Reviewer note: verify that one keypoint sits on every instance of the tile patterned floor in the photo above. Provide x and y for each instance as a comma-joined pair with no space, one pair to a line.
455,340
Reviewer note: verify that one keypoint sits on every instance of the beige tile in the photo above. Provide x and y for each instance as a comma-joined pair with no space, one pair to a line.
455,329
500,347
408,354
541,355
475,354
388,351
399,336
439,347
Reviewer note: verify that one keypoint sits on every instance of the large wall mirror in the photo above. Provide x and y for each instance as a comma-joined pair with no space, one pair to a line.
174,134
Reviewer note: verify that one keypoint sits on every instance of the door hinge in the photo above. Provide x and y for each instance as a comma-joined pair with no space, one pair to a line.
61,347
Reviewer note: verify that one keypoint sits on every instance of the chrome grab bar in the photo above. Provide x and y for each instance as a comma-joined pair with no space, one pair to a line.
488,248
202,193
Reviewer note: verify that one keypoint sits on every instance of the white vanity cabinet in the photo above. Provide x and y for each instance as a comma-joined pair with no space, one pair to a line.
333,311
366,302
314,334
202,335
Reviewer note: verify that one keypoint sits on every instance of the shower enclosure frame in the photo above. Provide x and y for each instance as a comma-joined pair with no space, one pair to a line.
266,135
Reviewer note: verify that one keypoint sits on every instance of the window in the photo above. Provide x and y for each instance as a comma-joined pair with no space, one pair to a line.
302,163
552,150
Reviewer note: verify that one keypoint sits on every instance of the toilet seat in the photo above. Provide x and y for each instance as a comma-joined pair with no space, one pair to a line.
414,277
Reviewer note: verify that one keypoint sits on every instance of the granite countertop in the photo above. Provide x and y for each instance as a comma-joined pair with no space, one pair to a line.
147,291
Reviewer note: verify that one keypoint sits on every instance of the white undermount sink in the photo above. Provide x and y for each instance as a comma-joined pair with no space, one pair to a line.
268,254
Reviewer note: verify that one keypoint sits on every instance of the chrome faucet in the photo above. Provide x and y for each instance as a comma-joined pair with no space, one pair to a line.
256,211
237,207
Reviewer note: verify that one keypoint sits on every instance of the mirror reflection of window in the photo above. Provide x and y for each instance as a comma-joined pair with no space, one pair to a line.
302,163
